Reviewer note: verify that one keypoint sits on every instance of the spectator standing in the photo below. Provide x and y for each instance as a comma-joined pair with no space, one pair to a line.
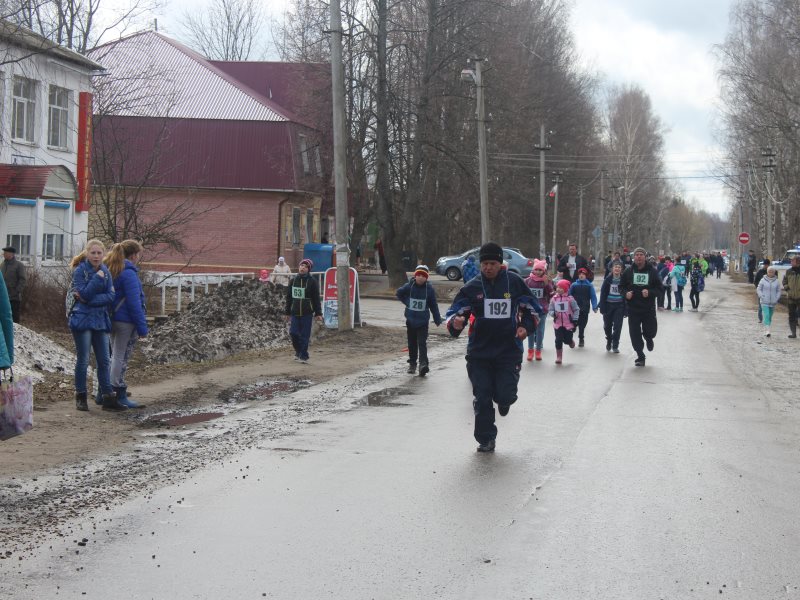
419,298
302,306
678,278
698,283
569,264
769,293
756,280
381,256
469,268
281,274
90,323
640,284
791,283
15,278
128,320
751,265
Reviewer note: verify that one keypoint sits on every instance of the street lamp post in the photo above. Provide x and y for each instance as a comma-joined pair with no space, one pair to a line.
475,76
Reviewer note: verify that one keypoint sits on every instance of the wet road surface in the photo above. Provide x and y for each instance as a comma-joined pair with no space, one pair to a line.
609,481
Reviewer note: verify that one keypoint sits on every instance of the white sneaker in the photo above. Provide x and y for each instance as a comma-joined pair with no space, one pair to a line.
768,334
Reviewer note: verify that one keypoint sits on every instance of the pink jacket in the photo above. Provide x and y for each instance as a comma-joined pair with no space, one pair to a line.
564,318
546,287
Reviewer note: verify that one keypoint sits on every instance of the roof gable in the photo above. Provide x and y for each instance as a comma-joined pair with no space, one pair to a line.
152,75
28,181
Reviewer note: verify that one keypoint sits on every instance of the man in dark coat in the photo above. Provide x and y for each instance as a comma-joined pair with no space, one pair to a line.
14,276
571,262
640,285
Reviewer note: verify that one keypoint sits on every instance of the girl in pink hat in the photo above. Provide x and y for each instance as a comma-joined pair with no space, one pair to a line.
542,289
565,312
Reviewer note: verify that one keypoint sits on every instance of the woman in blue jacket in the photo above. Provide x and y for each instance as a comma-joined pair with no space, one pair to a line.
6,329
127,313
90,323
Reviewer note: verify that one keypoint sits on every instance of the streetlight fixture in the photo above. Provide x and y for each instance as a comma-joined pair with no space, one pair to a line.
474,76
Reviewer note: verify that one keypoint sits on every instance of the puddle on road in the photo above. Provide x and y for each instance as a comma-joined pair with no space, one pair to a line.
174,419
384,397
262,390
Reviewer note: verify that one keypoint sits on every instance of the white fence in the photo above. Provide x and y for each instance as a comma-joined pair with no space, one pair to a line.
190,283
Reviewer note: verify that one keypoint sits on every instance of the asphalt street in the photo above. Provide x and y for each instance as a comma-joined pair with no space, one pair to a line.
676,480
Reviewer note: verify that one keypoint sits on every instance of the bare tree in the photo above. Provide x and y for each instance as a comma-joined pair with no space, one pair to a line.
226,30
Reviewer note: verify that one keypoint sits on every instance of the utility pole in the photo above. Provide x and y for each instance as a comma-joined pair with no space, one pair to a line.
769,154
339,172
602,223
542,146
556,180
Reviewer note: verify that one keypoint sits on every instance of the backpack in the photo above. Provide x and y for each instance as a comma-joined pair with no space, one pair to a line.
681,279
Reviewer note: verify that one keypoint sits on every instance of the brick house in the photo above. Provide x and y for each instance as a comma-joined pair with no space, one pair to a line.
238,151
45,135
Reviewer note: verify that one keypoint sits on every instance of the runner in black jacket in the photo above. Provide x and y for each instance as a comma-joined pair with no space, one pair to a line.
640,285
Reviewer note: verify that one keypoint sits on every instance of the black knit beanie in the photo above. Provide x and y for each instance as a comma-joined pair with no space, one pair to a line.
491,251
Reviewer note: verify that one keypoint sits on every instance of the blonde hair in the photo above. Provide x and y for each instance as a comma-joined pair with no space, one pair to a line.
115,259
78,259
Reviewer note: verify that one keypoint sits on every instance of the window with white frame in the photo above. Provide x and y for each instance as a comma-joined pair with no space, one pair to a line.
23,115
21,242
53,246
304,154
58,117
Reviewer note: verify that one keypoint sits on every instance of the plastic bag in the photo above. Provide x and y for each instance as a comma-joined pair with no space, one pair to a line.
16,405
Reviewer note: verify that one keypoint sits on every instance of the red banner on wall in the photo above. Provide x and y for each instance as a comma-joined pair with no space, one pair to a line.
84,170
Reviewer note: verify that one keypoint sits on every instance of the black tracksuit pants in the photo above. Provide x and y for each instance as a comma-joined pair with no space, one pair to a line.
583,319
417,344
642,324
492,382
612,322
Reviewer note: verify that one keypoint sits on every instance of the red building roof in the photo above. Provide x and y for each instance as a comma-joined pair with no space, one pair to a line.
29,181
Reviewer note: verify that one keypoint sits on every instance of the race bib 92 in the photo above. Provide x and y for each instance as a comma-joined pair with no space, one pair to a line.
416,304
641,278
497,308
298,293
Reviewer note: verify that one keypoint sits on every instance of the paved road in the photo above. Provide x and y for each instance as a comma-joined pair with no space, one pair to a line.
609,482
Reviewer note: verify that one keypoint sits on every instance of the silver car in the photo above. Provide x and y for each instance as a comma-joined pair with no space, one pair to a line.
450,266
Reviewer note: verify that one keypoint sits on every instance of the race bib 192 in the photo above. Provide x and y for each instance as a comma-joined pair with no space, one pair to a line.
641,278
497,308
298,293
416,304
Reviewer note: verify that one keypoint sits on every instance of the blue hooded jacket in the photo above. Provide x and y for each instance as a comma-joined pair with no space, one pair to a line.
129,306
583,292
97,296
420,302
6,328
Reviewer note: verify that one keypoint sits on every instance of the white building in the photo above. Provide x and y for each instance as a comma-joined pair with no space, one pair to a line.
45,145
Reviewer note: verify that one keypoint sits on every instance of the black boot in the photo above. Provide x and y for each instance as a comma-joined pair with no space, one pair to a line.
794,331
110,403
80,401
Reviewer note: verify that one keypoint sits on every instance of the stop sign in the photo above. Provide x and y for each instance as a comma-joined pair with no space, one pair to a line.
744,238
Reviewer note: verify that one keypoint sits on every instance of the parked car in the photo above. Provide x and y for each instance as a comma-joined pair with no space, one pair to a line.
783,265
450,266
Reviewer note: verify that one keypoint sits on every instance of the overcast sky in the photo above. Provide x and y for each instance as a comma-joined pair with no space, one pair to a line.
662,45
665,47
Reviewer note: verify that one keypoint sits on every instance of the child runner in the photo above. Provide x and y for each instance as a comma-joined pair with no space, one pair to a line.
542,289
583,292
419,298
302,305
698,284
505,313
565,312
612,307
769,292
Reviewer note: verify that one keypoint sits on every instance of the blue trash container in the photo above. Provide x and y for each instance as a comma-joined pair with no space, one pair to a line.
321,254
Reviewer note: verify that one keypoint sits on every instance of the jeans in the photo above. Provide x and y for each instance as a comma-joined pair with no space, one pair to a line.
84,342
612,322
679,297
535,340
694,298
491,382
300,332
668,294
417,344
123,339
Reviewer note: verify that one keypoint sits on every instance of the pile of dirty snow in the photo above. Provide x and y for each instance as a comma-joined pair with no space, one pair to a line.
238,316
34,354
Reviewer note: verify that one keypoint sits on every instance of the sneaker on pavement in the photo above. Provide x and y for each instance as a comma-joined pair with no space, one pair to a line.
639,362
412,369
615,350
608,346
530,354
304,361
423,370
650,345
503,409
487,447
768,334
580,343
